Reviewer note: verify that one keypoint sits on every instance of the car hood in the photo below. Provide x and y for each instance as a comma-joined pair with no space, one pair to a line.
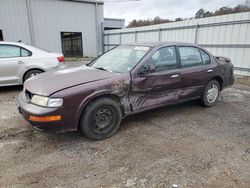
50,82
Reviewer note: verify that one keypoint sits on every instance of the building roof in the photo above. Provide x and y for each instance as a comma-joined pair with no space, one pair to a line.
115,19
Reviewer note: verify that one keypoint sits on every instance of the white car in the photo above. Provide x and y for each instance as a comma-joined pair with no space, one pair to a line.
19,61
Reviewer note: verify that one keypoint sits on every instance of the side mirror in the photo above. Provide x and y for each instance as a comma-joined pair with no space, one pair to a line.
147,69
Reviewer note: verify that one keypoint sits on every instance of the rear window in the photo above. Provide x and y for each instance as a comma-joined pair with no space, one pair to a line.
205,57
190,56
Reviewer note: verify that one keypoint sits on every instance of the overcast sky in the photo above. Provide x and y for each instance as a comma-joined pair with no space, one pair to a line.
169,9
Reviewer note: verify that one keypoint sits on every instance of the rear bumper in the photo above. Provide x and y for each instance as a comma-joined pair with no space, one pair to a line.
59,66
26,109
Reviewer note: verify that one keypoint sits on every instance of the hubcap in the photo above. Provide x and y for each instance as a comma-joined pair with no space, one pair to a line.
102,118
33,74
212,93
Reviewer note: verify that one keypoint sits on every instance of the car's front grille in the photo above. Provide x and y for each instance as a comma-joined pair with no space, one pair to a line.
28,95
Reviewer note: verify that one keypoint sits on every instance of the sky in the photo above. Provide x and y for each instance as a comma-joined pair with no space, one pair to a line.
168,9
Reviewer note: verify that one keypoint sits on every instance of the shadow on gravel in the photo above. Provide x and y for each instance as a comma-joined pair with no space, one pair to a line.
32,135
158,113
11,88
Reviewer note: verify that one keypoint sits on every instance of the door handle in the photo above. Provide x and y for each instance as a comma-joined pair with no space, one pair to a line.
20,62
175,76
210,70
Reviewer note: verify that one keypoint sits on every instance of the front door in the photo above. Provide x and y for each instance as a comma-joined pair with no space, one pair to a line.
158,82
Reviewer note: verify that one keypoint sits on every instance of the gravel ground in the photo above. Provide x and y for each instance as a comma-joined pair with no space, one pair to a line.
186,144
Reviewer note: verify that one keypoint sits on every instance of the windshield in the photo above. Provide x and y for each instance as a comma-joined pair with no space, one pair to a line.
121,59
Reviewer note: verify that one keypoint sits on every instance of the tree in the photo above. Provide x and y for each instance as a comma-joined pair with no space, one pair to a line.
200,13
208,14
178,19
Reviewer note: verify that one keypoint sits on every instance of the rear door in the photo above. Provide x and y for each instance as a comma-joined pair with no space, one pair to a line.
158,86
196,70
12,60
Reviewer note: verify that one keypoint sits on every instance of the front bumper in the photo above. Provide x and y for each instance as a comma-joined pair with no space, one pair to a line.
26,109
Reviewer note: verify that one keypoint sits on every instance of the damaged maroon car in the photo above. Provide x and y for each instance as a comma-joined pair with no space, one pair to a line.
126,80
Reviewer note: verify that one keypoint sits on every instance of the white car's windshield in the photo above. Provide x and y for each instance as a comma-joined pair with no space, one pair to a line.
121,59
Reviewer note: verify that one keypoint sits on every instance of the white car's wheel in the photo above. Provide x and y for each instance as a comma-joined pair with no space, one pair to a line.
31,73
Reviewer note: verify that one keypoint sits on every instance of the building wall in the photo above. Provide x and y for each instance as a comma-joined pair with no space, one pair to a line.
227,35
48,19
14,21
112,23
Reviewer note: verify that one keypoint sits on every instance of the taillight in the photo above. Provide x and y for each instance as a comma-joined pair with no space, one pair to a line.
61,59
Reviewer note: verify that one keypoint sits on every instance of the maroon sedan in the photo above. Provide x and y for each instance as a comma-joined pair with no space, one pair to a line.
126,80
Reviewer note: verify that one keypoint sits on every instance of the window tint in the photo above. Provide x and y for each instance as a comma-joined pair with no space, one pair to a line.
205,57
164,59
190,56
25,53
8,51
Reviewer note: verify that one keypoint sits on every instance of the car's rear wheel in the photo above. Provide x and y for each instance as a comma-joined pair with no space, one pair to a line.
100,119
211,93
31,73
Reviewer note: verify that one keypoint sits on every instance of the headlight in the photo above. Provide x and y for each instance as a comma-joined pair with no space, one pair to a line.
46,101
55,102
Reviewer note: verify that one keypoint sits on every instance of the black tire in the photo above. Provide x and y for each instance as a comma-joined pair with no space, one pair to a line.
100,119
30,73
205,100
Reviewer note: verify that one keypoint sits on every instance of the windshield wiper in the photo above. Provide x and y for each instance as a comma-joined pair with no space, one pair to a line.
102,68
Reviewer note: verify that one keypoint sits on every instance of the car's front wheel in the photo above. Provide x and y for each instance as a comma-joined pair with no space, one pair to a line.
211,93
101,118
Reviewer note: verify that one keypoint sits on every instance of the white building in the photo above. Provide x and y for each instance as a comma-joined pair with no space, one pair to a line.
73,27
113,23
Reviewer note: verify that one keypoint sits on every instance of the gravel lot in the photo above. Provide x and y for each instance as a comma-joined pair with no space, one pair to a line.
187,145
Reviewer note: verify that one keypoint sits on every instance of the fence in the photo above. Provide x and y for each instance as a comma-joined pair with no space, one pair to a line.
227,35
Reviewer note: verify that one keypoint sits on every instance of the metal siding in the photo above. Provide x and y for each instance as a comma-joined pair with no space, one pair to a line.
52,17
114,39
14,21
147,37
127,38
219,34
49,18
114,23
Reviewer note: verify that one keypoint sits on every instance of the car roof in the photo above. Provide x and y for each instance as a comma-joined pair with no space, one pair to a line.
13,43
158,44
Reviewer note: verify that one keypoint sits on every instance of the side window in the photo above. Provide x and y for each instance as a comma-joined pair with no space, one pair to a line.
164,59
25,53
205,57
190,57
9,51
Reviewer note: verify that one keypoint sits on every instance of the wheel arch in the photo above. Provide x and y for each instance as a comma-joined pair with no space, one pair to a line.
95,97
219,79
25,73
